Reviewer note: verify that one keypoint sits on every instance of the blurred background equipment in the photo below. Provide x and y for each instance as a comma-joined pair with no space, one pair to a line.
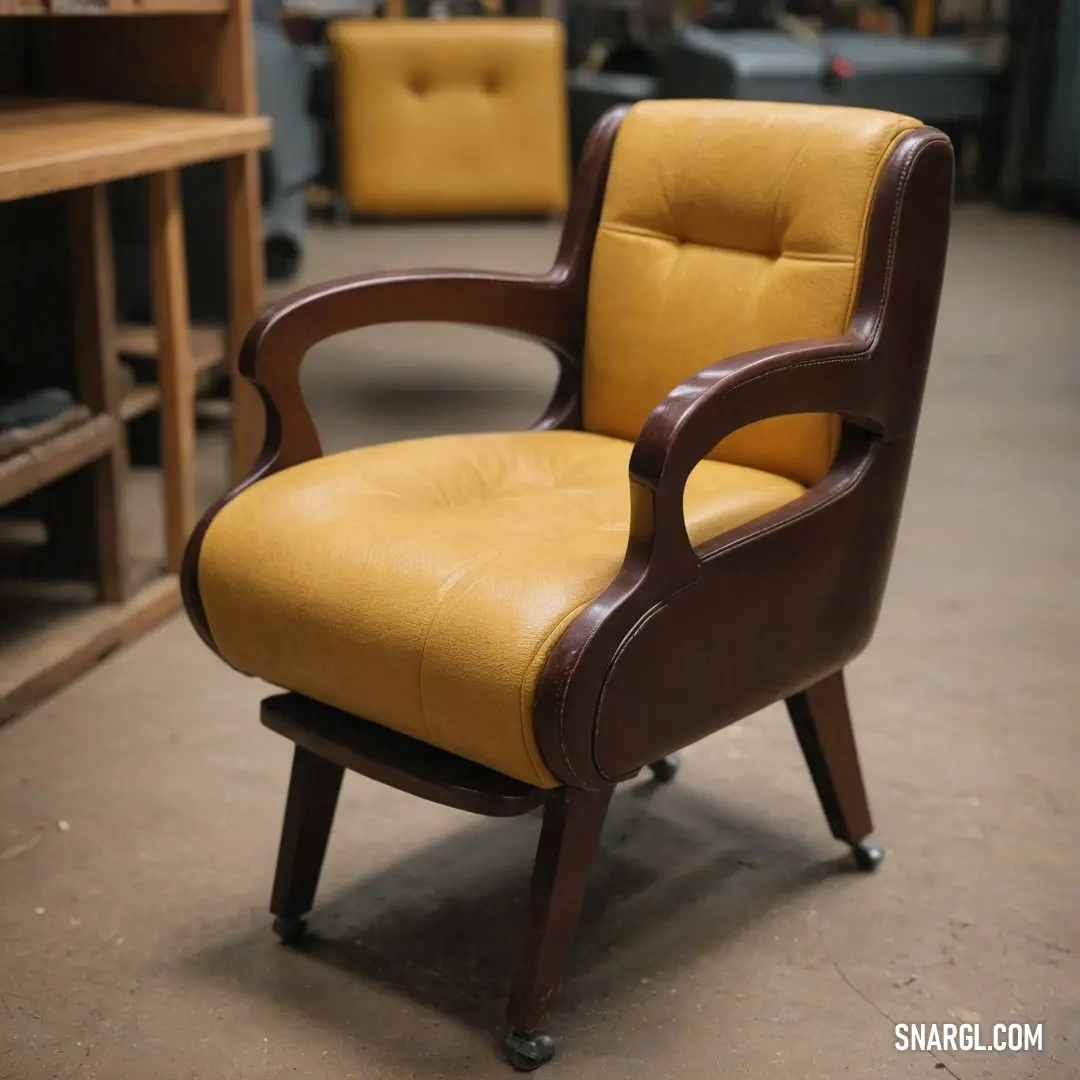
814,52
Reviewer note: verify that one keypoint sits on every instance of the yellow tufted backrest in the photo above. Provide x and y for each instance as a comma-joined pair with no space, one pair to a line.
728,226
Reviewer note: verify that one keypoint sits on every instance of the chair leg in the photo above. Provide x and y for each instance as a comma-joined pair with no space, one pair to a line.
573,820
822,723
309,813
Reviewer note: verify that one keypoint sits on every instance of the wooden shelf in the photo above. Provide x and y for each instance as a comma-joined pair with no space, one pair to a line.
51,635
85,100
113,7
48,145
208,351
58,456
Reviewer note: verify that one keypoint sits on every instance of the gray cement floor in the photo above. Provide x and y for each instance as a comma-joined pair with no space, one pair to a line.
720,940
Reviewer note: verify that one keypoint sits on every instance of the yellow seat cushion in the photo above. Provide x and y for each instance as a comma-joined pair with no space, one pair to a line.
728,226
423,584
451,117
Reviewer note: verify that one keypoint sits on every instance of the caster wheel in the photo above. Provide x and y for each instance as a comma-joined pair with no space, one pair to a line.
291,931
868,857
665,769
528,1052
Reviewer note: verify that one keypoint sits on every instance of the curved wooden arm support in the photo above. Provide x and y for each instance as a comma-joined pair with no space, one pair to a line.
827,376
272,354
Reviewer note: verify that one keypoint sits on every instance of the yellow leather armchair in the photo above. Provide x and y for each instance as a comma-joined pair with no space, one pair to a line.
700,525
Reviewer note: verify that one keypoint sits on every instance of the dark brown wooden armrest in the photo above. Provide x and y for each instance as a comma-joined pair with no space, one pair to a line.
831,375
535,307
548,308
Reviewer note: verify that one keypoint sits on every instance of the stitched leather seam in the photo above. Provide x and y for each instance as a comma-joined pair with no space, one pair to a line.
637,233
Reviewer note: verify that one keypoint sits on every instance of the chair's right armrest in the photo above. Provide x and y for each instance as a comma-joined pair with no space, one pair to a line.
832,375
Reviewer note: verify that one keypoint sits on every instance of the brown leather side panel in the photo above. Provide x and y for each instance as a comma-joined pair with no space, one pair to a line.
767,618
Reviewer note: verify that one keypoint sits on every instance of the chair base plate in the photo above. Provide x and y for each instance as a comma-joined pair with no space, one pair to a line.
397,760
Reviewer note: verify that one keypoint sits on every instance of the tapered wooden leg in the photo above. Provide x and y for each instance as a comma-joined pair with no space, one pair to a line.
309,813
823,725
573,820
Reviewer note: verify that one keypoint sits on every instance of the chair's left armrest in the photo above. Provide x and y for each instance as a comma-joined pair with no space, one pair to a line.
547,309
540,307
832,375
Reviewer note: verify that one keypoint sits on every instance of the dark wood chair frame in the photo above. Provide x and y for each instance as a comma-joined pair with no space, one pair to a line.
684,641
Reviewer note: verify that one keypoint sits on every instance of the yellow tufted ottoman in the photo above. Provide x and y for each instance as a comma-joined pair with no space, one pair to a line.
451,117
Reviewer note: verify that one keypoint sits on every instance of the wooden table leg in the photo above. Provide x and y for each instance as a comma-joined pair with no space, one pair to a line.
176,374
97,374
246,302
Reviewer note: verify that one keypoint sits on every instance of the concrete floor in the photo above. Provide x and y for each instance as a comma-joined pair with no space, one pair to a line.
720,940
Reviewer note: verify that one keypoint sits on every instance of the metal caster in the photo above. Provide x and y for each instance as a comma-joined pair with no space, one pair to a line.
665,769
528,1052
868,857
290,930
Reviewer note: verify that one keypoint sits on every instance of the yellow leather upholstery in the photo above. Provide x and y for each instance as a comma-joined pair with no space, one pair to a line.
728,226
451,117
423,584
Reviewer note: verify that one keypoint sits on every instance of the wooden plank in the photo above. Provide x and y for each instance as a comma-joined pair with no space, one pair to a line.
48,146
67,645
140,401
209,346
97,374
246,301
176,375
208,351
62,454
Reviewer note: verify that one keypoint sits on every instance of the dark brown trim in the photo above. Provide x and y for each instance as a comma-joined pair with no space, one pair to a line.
396,760
721,648
549,309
